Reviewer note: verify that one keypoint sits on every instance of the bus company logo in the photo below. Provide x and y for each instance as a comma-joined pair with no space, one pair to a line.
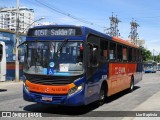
120,70
6,114
46,90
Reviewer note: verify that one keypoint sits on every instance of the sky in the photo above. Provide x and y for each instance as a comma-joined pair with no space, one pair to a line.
95,14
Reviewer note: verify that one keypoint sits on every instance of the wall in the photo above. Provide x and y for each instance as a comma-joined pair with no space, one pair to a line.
9,38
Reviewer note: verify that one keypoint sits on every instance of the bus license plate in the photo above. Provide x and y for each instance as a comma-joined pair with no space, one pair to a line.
46,98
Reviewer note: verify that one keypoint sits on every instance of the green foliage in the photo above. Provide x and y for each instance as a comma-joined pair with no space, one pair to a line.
157,58
147,55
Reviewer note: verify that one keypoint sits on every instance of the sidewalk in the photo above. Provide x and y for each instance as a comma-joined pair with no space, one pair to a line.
8,82
151,104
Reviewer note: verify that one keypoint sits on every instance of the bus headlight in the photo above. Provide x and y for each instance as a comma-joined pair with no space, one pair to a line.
75,89
26,87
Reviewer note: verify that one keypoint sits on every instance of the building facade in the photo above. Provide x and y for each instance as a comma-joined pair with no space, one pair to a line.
8,18
138,42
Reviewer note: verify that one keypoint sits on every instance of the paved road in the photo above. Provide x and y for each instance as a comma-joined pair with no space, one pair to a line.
11,100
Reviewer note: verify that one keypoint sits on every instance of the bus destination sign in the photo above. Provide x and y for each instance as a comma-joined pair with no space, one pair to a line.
54,32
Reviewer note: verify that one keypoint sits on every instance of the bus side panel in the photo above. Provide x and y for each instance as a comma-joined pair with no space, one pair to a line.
138,76
119,76
94,83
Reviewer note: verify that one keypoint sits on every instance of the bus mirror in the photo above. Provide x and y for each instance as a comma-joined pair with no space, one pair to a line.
21,47
23,43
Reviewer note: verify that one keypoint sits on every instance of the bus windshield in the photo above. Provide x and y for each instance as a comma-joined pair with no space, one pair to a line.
54,58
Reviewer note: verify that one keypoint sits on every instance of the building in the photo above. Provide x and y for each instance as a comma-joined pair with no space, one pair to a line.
9,37
141,43
138,42
8,18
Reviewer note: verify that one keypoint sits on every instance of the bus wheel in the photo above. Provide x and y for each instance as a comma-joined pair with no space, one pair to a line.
102,95
131,84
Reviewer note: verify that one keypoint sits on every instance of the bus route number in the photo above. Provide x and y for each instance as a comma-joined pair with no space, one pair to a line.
40,32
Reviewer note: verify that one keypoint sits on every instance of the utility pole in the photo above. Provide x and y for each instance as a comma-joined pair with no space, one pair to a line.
114,26
153,54
17,43
133,34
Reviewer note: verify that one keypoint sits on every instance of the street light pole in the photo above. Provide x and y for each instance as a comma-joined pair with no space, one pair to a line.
153,54
33,23
17,43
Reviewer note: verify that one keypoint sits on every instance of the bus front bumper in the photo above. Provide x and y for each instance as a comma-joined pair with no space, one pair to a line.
76,99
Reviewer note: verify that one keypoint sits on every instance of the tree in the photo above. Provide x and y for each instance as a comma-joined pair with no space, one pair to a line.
147,55
157,58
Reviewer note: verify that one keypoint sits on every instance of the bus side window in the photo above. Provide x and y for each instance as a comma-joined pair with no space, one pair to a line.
112,50
104,50
124,53
137,56
133,55
92,55
129,54
140,56
105,55
119,52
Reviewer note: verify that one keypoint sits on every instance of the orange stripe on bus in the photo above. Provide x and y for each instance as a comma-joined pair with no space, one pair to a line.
49,89
124,42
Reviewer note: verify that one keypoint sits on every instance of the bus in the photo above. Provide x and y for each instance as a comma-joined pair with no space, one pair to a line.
75,65
158,66
150,67
2,61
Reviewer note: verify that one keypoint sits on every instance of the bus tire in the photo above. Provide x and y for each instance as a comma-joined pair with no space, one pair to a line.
131,88
102,97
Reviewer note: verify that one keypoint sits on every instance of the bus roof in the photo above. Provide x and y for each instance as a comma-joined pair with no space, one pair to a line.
124,42
86,31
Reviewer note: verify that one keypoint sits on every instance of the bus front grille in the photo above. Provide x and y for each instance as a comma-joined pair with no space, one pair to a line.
51,80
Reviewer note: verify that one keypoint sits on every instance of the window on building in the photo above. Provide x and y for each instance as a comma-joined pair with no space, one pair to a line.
13,13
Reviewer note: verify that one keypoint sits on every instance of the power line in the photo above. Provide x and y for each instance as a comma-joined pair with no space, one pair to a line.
68,14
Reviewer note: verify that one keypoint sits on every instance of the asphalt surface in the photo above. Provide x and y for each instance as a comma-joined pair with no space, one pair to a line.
11,100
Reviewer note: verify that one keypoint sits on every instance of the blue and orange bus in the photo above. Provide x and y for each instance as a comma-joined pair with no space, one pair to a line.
150,66
74,65
158,66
